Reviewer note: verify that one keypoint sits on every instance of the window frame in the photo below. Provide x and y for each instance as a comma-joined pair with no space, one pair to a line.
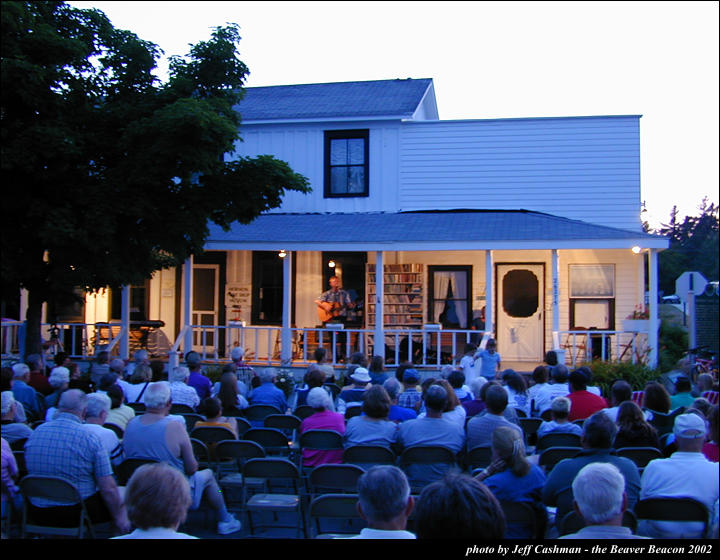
331,135
586,297
432,269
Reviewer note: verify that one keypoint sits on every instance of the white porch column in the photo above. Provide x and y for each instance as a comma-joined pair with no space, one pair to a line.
125,318
489,294
555,298
187,314
379,348
653,304
286,337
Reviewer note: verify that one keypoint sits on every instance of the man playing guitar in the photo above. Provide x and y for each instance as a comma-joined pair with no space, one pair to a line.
333,304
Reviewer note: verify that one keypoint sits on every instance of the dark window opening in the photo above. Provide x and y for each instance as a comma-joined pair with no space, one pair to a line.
520,293
346,163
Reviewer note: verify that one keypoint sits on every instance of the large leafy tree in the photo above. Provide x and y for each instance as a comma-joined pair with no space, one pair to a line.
693,246
108,174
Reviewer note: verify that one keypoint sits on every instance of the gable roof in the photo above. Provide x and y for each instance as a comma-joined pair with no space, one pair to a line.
447,231
381,98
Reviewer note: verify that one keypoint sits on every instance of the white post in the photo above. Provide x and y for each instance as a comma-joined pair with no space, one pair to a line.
188,342
125,318
489,294
379,347
653,304
556,307
286,336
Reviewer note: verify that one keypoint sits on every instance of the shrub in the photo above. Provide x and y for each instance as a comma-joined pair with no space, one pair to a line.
606,373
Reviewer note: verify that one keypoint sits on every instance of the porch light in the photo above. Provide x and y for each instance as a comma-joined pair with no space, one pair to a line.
331,263
636,250
282,254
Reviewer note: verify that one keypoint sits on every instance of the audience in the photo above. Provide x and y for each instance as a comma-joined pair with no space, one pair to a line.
397,413
686,473
11,497
353,394
98,406
480,428
245,373
229,392
657,399
517,391
558,388
559,423
683,396
376,370
583,403
372,427
458,507
157,500
476,405
599,498
314,377
322,419
710,449
620,392
540,381
180,391
28,397
456,379
411,397
120,414
453,409
197,379
267,392
12,430
139,381
212,409
38,380
633,429
384,501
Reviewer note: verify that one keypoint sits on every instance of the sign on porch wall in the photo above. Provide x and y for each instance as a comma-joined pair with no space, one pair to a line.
238,301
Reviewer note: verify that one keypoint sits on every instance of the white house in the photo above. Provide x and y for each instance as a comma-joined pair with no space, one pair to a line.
536,221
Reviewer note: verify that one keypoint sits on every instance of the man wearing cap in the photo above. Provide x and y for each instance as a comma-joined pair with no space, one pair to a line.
411,397
685,474
353,394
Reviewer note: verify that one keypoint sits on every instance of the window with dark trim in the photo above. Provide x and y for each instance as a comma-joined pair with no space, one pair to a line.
592,296
346,163
449,296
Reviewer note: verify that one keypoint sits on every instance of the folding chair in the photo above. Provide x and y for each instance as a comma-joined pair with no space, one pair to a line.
641,456
201,453
191,419
555,439
288,423
524,518
119,432
711,396
61,492
136,406
638,397
273,441
352,411
673,509
332,478
18,444
530,427
278,473
553,455
231,456
243,426
319,440
664,423
124,470
209,436
573,522
478,457
341,509
424,464
257,413
181,409
366,456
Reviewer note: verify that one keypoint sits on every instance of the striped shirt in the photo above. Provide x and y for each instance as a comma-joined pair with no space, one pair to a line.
62,447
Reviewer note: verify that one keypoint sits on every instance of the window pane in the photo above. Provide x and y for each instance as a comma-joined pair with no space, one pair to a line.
356,151
520,293
339,179
356,180
339,152
592,280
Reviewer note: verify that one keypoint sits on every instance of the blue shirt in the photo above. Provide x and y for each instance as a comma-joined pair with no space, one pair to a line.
508,487
267,393
400,413
488,363
26,395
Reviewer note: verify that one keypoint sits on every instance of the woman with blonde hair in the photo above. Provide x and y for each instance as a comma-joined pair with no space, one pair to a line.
511,478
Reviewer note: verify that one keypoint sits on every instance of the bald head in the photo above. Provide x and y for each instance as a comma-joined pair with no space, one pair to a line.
73,401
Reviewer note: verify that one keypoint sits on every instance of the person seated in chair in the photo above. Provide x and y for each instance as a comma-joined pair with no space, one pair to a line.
599,498
181,392
267,392
156,436
11,430
559,411
384,501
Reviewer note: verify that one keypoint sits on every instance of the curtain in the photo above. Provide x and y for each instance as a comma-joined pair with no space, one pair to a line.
457,281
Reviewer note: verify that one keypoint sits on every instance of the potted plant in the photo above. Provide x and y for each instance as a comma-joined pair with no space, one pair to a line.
638,320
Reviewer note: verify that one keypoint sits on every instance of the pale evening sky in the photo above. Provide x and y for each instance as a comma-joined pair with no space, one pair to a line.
493,60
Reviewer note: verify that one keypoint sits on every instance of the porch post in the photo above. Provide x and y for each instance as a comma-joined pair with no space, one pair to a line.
555,299
653,304
379,347
489,295
188,342
125,318
286,336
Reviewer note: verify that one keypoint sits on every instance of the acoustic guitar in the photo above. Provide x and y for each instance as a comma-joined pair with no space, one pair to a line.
327,311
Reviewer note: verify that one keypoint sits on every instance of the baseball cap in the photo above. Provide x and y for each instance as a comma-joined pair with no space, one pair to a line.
689,426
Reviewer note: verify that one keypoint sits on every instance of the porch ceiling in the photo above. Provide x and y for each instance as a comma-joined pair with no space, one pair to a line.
424,231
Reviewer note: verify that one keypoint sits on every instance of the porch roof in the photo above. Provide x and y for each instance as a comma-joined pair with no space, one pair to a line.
424,231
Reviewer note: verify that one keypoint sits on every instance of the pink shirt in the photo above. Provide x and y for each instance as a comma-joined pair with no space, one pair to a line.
325,420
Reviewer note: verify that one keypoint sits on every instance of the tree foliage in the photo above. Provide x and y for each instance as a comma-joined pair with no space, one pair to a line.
109,174
693,246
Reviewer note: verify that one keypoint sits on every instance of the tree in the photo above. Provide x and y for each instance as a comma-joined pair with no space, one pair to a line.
110,175
693,246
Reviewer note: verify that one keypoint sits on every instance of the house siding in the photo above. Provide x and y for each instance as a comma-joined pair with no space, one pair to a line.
585,168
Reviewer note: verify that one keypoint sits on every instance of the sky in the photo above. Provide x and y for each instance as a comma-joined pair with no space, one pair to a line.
493,60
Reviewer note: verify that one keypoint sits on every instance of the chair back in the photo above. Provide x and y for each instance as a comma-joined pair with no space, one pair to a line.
323,440
211,434
530,425
258,412
20,461
573,522
178,408
119,432
553,455
334,390
520,412
672,509
556,439
271,468
425,454
334,478
641,456
288,423
664,423
18,444
191,419
523,515
303,411
124,470
638,397
367,455
711,396
239,450
242,425
335,507
59,491
546,415
273,441
479,457
137,406
352,411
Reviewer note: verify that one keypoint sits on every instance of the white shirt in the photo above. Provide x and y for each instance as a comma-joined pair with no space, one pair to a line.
155,533
109,440
368,533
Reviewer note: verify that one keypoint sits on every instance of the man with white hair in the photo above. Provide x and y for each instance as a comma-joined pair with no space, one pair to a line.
12,430
181,392
267,392
64,448
23,393
244,372
384,501
60,381
140,358
599,498
687,473
98,406
155,435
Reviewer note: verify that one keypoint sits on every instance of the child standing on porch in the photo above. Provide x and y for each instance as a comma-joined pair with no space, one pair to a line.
489,360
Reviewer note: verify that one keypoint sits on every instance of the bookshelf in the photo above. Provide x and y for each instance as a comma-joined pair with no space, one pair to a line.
404,295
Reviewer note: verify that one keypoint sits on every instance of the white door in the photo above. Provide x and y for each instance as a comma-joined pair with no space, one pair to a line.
520,315
205,305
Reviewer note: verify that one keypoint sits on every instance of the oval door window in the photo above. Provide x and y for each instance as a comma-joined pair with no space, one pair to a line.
520,293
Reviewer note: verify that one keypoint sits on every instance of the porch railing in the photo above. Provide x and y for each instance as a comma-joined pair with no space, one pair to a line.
616,346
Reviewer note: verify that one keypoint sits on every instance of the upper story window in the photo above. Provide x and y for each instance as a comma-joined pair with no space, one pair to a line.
346,163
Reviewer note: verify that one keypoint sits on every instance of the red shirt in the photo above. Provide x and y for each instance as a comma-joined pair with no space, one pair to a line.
39,382
584,404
